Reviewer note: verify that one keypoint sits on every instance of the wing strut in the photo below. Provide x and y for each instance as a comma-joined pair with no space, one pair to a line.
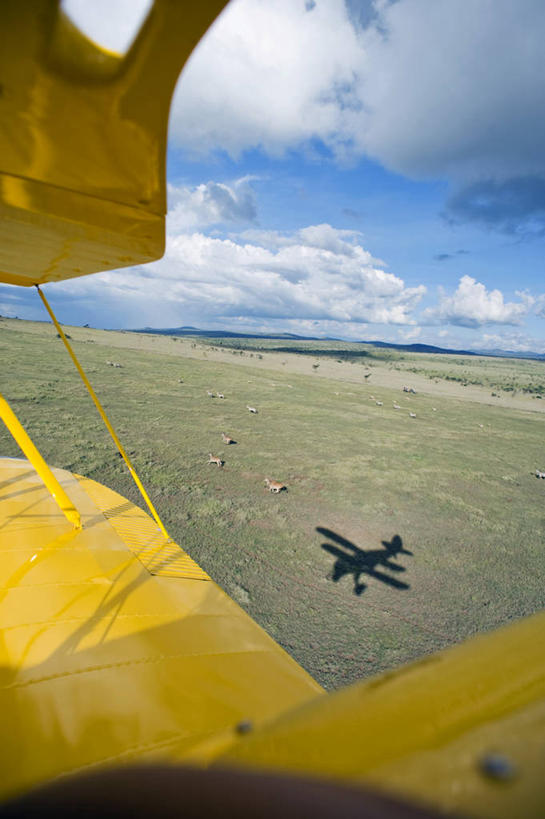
104,417
24,441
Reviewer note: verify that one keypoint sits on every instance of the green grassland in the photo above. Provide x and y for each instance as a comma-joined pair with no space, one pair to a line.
397,536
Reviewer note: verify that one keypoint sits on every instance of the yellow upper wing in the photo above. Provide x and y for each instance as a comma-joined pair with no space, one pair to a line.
83,139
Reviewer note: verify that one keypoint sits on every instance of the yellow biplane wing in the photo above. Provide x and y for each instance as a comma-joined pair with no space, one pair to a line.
83,139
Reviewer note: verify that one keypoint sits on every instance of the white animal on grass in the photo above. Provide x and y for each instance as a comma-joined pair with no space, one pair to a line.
226,439
396,406
214,459
434,409
275,486
412,414
379,403
221,395
540,474
251,409
210,394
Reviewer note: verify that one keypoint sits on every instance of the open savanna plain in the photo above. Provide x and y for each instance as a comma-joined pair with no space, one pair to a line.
397,535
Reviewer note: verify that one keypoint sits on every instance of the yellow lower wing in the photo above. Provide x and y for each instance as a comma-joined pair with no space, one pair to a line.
116,647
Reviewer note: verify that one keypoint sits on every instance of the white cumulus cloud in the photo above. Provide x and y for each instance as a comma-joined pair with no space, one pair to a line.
409,334
210,203
270,75
472,305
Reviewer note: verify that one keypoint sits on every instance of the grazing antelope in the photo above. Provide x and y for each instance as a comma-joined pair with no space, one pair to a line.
396,406
412,414
214,459
210,394
220,395
275,486
540,474
434,409
251,409
379,403
226,439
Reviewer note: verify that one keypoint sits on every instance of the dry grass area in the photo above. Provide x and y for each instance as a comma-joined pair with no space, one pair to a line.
397,535
425,372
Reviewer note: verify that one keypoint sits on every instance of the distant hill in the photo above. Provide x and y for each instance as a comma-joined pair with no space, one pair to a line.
419,348
409,348
194,331
510,354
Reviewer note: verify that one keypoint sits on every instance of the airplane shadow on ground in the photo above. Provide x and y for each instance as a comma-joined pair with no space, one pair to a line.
350,559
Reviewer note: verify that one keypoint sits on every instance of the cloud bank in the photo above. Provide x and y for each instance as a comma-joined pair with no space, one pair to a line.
315,274
428,88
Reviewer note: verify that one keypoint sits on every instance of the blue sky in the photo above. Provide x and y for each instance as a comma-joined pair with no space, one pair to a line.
358,169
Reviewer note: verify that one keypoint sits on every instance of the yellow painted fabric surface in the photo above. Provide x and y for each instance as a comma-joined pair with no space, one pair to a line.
83,139
102,661
429,730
